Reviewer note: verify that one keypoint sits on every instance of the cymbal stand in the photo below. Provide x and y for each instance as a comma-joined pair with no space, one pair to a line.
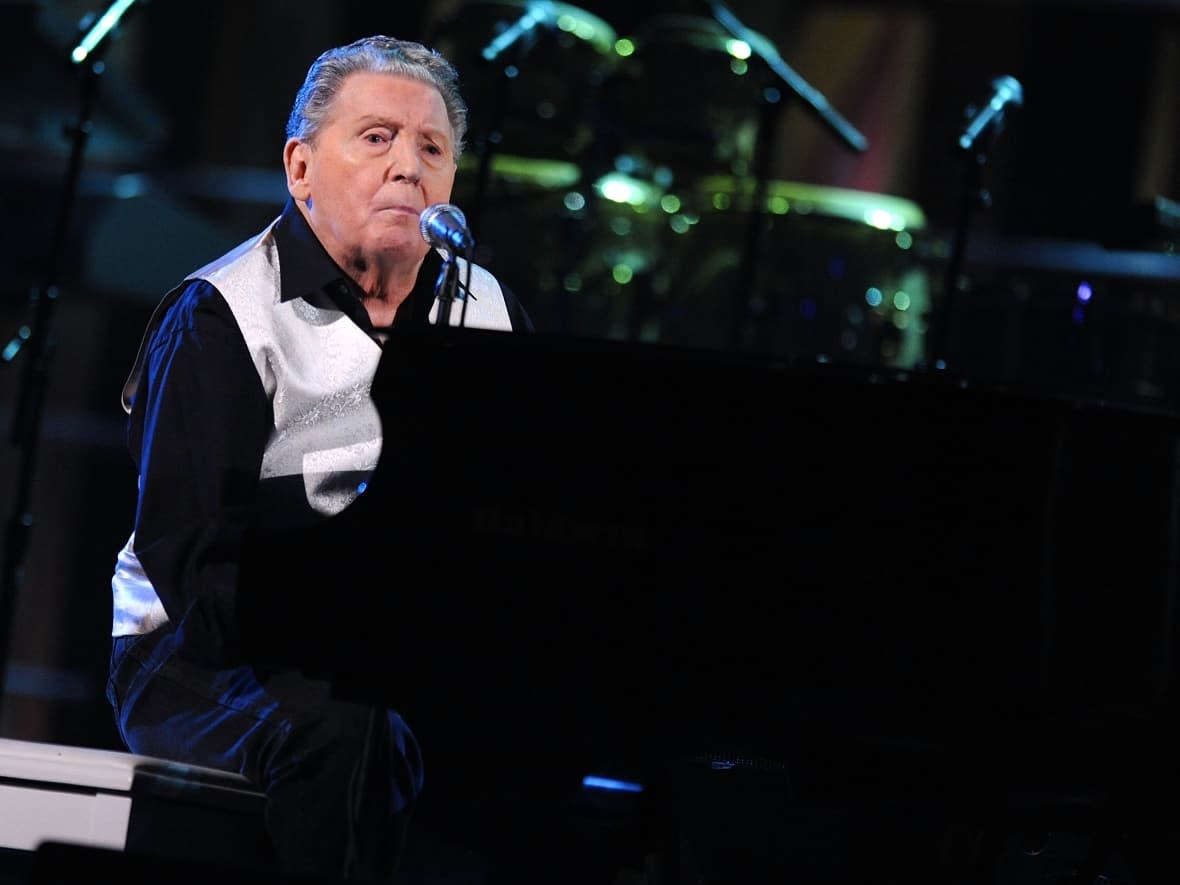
812,98
487,143
753,311
813,101
26,423
519,37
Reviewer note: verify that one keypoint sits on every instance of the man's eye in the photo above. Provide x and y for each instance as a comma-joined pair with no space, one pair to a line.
374,138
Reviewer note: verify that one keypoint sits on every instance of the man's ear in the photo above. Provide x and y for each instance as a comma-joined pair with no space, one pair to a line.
295,162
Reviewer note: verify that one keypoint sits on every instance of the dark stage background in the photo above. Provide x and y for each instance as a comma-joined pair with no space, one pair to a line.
617,205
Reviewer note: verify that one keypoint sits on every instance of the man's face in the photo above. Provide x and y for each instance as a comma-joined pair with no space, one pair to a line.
384,154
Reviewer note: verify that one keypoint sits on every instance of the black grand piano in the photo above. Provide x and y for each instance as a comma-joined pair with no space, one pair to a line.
584,555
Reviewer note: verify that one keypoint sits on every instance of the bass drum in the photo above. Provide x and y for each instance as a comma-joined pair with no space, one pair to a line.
839,274
580,253
539,96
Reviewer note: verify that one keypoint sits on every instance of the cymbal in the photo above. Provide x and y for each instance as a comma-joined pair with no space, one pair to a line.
619,187
542,174
696,31
552,59
573,20
882,211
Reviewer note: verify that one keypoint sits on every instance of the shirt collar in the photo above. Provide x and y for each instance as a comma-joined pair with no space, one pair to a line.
308,272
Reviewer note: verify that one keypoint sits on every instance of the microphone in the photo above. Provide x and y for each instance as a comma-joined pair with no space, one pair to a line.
1005,91
444,226
536,13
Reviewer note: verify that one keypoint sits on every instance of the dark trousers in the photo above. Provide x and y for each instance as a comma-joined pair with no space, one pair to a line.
341,777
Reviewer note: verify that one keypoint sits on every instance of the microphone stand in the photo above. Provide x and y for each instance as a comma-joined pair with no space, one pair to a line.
444,288
522,32
27,416
973,196
447,286
747,307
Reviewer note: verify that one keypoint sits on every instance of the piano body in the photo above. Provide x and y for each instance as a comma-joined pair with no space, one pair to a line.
583,550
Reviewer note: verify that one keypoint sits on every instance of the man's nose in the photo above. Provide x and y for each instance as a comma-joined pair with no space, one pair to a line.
404,160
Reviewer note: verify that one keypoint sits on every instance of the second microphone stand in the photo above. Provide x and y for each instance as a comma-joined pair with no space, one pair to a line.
35,338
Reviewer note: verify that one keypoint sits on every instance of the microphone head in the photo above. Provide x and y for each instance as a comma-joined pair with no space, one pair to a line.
1008,89
438,222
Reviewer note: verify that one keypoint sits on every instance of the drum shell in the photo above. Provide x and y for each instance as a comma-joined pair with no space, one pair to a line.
540,96
627,259
685,99
799,281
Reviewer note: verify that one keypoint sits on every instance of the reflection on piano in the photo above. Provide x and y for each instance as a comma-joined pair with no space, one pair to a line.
587,550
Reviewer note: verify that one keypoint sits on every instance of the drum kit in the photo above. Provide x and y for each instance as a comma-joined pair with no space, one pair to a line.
611,180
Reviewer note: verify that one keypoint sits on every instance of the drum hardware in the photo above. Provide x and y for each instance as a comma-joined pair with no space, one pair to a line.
541,64
812,98
975,143
846,278
666,133
882,211
526,173
653,116
637,227
748,323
